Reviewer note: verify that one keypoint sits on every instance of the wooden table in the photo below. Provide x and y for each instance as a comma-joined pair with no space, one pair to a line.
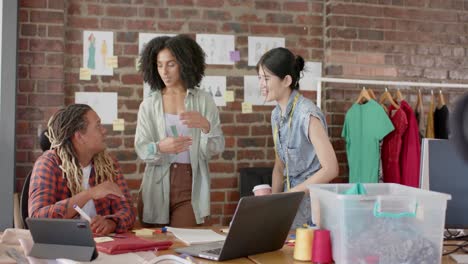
178,244
285,256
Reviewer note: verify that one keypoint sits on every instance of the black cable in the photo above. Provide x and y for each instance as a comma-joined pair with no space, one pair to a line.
463,247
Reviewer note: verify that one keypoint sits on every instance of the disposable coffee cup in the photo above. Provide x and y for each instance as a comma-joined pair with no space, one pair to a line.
262,189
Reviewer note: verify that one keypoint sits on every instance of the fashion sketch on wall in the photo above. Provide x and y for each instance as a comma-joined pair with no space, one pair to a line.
97,47
216,86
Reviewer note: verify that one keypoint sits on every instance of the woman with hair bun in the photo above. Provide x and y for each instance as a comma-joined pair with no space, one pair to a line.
304,153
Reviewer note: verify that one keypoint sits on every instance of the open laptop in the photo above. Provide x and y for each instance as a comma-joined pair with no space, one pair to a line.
62,238
260,224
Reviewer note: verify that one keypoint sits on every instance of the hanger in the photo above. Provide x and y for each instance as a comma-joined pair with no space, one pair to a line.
441,100
432,100
363,96
371,93
398,95
419,100
386,96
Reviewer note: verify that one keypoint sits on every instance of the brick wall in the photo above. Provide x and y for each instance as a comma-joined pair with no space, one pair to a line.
40,91
416,40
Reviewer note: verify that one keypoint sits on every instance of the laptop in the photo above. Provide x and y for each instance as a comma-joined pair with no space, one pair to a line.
260,224
62,238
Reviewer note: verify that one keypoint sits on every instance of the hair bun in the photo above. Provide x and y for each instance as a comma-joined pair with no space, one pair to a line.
299,63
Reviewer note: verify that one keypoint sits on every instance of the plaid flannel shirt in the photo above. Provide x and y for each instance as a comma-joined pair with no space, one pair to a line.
49,194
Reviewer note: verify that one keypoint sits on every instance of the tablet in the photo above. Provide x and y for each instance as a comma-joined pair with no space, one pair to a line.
62,238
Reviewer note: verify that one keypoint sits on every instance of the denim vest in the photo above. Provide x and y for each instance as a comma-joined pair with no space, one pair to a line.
294,147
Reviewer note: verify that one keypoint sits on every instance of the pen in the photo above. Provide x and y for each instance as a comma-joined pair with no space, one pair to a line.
82,213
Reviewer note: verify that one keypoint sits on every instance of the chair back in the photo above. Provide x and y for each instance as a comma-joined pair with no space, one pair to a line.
24,200
250,177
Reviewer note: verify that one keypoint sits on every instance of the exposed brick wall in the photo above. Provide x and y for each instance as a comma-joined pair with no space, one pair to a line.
40,91
50,62
414,40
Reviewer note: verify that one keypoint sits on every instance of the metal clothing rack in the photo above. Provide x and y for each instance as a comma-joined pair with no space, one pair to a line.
380,82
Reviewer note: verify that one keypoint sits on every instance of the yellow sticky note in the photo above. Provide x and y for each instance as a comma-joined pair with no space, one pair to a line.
118,125
103,239
112,62
85,74
246,108
144,232
137,63
229,96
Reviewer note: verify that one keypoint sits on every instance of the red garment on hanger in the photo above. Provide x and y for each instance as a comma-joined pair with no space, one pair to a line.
391,147
410,156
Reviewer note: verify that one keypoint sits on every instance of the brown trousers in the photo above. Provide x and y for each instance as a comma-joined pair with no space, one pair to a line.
181,210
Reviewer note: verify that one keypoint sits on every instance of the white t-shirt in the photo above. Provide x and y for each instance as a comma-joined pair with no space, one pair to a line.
174,121
89,207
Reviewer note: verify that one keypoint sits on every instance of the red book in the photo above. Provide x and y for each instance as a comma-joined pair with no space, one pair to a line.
125,243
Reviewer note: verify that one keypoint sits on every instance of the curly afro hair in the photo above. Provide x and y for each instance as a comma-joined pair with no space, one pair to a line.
189,55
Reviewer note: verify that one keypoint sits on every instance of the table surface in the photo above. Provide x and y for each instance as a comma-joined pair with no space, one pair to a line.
283,256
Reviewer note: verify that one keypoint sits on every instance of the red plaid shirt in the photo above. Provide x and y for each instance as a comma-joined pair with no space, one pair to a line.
49,194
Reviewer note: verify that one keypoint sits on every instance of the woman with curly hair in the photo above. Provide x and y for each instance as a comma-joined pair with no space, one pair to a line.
178,131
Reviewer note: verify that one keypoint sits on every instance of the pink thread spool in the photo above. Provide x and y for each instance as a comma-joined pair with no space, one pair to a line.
321,247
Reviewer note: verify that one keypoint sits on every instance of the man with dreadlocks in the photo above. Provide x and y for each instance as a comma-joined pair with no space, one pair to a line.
77,170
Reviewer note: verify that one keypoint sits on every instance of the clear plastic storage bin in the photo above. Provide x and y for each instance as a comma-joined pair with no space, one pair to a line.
391,224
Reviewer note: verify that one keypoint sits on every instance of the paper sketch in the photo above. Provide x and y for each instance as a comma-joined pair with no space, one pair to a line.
217,48
216,86
104,104
144,38
252,92
97,46
259,45
311,71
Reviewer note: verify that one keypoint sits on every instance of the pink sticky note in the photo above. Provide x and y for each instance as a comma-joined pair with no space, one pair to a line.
235,55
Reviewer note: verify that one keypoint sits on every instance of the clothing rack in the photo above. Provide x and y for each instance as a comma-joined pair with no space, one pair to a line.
380,82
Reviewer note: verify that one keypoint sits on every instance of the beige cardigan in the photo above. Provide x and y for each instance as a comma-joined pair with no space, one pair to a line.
150,129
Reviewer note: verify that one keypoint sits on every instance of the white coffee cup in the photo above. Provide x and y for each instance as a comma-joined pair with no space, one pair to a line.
262,189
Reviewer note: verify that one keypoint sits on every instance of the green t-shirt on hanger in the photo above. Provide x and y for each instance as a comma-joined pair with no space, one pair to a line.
364,127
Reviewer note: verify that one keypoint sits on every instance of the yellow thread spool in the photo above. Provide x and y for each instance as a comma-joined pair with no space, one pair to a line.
303,245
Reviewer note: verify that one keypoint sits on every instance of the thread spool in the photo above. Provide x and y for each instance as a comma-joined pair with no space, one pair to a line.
303,244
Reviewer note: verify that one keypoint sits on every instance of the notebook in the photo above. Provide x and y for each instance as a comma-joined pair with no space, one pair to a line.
196,236
260,224
126,243
62,238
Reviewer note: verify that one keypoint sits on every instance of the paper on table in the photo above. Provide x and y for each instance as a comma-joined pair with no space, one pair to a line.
103,239
196,236
144,232
460,258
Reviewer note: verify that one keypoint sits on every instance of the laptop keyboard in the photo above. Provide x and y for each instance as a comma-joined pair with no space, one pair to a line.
215,251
